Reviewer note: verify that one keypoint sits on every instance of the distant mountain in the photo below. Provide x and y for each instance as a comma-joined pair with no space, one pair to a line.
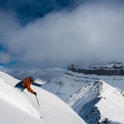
65,84
101,69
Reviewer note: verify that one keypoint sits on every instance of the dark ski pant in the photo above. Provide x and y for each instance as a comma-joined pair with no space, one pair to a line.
19,86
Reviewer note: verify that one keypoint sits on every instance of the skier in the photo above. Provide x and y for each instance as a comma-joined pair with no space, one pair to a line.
26,84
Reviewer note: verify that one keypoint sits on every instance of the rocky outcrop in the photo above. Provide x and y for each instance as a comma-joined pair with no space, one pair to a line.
101,70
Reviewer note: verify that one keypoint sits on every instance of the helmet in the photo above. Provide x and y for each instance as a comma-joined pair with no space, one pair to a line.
31,79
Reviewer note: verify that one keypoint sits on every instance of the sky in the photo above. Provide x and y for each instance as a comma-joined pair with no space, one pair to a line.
91,31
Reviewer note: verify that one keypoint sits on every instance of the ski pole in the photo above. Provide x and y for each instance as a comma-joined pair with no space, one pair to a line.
37,101
38,106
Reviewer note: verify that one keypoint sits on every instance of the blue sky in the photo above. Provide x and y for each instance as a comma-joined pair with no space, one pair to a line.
2,48
61,33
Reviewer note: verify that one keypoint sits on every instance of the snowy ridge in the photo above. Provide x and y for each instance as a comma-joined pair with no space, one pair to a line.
84,95
99,103
18,107
111,105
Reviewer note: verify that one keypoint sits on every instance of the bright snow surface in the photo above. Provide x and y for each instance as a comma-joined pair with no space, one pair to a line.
111,104
18,107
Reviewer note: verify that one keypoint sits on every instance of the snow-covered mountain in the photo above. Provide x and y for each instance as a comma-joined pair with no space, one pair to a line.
100,69
96,101
68,83
64,85
20,108
92,98
99,103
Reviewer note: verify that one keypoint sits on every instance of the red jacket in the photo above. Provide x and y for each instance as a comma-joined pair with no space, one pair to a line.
26,83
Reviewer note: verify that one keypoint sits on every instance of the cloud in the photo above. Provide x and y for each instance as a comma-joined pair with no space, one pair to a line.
91,32
4,58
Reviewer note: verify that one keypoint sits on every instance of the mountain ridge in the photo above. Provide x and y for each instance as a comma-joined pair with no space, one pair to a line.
101,69
99,106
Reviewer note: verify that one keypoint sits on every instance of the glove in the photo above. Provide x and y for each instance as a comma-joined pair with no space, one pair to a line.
35,93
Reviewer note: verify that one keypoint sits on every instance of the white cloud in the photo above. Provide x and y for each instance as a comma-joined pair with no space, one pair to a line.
91,32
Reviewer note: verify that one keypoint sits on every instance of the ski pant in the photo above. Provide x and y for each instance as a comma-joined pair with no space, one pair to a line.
19,86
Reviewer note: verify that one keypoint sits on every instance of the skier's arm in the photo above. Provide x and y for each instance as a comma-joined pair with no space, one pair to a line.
29,89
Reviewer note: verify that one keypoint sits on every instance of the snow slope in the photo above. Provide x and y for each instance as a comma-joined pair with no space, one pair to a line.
64,85
111,105
18,107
